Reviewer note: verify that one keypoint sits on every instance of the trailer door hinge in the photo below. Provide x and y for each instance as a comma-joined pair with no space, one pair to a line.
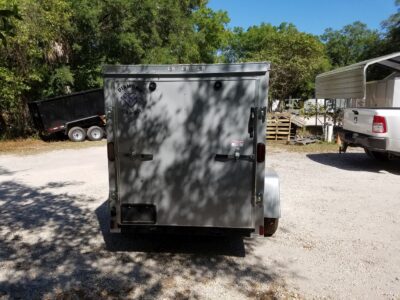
109,114
259,198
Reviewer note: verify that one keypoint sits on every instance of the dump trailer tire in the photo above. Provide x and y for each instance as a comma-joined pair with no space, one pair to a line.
77,134
270,226
95,133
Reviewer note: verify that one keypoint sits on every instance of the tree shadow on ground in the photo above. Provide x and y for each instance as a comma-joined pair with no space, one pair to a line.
51,246
5,172
356,162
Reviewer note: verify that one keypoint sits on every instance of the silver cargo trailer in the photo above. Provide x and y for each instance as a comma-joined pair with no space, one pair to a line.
186,148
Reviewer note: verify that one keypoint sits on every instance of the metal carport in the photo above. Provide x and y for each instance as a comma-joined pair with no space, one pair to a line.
350,82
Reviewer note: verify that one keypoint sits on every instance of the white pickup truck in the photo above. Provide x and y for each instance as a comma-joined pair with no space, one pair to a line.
377,130
373,122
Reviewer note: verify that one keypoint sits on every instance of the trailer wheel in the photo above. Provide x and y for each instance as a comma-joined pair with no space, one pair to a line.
77,134
95,133
270,226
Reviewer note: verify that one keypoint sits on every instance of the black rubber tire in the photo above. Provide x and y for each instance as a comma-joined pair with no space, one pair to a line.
77,134
381,156
95,133
369,154
270,226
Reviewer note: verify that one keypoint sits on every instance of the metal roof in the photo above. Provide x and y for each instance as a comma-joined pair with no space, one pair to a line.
349,82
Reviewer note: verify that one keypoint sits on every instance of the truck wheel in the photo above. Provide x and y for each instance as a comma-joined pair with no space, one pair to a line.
77,134
270,226
95,133
369,154
381,156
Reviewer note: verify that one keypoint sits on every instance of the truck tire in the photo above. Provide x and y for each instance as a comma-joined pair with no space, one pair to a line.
270,226
381,156
77,134
95,133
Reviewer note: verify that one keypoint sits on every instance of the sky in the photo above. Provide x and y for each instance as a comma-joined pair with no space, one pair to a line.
312,16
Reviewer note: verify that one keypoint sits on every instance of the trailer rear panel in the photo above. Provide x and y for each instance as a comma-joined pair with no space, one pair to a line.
183,142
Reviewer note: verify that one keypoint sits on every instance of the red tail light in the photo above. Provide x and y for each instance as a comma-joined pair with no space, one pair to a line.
379,125
261,230
110,151
260,152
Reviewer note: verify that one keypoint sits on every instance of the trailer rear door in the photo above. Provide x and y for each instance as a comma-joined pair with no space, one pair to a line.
176,140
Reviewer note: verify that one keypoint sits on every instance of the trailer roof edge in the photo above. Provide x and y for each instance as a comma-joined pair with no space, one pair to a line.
187,69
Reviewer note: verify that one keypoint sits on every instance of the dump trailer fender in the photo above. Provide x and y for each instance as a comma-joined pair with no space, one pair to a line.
272,204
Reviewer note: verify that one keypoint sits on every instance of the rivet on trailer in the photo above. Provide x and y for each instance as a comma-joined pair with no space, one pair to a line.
186,149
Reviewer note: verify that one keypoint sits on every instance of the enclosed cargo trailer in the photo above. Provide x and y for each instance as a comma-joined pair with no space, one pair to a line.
186,148
78,115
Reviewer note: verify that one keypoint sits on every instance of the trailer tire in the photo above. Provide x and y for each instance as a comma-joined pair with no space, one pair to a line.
95,133
270,226
381,156
77,134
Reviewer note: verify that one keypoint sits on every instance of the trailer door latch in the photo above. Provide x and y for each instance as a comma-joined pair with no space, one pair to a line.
234,157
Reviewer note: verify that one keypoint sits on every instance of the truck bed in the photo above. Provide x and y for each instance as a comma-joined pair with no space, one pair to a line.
359,122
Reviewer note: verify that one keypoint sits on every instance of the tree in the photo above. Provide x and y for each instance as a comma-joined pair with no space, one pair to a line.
392,32
6,26
296,57
35,50
351,44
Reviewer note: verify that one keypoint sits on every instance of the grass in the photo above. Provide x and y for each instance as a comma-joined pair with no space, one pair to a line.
33,146
319,147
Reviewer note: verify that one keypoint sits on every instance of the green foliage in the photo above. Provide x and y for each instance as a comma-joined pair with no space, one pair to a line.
351,44
210,33
60,81
6,26
34,50
392,32
296,57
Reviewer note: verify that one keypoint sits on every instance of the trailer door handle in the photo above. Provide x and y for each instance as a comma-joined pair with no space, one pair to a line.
139,156
250,126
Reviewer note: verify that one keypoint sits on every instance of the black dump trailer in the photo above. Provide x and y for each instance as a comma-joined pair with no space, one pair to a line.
77,115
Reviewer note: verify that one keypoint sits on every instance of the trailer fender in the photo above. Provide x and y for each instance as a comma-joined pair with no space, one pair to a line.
272,204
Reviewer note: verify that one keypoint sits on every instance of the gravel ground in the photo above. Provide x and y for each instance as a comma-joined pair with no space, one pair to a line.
339,236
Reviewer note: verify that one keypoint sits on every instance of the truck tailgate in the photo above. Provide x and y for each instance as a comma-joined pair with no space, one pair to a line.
359,120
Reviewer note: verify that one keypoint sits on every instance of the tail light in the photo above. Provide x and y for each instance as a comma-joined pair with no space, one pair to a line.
379,125
110,151
261,230
260,152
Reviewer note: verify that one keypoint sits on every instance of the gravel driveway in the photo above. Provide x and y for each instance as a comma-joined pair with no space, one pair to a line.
339,236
